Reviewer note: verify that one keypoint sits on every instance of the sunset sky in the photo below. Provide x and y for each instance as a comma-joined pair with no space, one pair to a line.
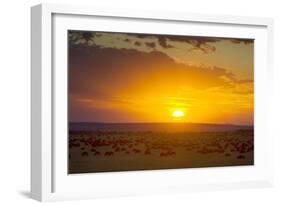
121,77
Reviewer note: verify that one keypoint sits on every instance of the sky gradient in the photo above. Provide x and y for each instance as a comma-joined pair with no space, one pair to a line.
121,77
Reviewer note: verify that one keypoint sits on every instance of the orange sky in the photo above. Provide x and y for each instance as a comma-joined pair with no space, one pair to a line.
118,77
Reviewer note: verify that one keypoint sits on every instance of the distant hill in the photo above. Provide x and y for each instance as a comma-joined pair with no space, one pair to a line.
156,127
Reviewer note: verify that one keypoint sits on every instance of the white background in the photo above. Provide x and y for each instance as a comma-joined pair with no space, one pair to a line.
15,102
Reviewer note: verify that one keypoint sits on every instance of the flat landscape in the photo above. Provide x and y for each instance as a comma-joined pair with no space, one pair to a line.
98,147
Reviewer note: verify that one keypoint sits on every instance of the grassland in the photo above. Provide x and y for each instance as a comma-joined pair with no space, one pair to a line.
108,151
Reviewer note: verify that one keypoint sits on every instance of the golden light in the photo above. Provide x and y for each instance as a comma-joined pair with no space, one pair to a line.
178,114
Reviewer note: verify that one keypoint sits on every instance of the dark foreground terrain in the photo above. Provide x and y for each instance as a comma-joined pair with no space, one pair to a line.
105,151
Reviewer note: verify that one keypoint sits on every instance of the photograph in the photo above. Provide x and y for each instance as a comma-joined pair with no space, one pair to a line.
142,101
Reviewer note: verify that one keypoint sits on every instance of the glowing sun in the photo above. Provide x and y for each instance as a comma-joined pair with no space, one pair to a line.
178,114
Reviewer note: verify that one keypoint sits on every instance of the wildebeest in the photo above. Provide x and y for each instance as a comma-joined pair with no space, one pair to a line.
84,154
108,153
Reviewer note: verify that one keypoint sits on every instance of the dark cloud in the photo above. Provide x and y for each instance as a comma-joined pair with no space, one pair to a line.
198,43
151,45
81,37
163,42
245,41
203,44
95,70
137,43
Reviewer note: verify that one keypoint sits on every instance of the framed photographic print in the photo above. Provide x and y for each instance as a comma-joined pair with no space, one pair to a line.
133,102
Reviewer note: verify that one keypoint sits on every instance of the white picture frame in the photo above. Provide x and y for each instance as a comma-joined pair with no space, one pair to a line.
49,179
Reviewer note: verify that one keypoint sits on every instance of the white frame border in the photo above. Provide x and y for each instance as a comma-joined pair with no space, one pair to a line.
42,86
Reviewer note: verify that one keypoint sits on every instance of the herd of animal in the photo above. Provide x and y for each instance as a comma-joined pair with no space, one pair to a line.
108,144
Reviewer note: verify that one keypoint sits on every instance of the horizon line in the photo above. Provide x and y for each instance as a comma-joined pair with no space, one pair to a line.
231,124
